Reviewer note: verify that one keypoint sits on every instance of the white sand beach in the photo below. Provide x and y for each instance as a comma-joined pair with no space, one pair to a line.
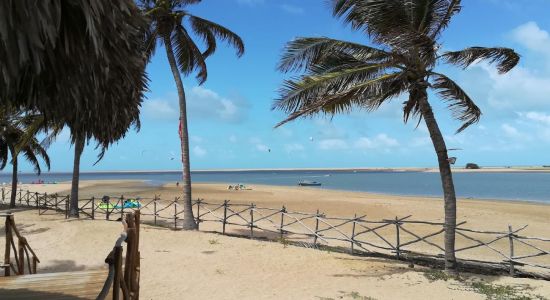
204,265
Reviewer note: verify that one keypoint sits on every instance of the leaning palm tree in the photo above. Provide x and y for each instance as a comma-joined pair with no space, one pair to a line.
340,76
15,129
167,26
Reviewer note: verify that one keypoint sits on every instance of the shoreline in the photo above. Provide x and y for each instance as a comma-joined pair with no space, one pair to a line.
149,185
495,169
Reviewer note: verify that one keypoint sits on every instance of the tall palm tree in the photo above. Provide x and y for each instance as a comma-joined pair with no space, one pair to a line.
15,127
168,27
340,76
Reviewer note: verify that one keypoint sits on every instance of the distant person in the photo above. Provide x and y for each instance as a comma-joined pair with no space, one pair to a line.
177,183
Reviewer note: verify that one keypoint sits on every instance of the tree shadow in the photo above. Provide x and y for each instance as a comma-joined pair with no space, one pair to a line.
8,294
61,266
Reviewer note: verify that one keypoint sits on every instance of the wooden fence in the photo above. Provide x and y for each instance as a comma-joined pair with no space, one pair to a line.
401,237
125,280
19,253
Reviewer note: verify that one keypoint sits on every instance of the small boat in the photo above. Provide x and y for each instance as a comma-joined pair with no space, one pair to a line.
309,183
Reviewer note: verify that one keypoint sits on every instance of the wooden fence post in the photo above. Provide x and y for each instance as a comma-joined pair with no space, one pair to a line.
117,278
66,207
20,192
8,247
252,220
55,197
175,214
37,201
28,197
353,234
93,208
155,209
3,195
224,215
21,262
198,213
397,250
122,207
511,240
283,211
316,229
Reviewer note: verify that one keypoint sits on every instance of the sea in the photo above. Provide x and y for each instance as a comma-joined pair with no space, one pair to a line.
522,186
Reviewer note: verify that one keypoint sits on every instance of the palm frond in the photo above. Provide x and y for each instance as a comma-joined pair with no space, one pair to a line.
296,92
367,94
505,58
209,30
3,153
395,23
32,159
188,55
442,20
461,105
150,36
304,52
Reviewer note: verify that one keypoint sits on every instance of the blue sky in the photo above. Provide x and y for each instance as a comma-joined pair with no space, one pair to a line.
231,123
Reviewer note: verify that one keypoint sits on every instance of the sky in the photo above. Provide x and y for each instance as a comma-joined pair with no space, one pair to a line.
231,123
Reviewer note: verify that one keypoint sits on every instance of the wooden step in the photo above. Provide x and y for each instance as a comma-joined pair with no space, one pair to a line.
64,285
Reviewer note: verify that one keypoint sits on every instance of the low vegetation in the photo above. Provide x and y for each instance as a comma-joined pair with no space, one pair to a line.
489,290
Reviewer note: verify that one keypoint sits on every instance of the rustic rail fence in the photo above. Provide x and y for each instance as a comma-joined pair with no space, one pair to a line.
401,237
21,254
124,280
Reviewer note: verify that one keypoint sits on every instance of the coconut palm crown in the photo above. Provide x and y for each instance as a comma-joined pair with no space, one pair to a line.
174,27
18,136
340,76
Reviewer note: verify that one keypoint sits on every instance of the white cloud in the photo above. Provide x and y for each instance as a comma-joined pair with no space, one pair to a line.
333,144
290,148
160,109
207,104
292,9
532,37
199,151
510,131
262,148
381,142
521,88
537,117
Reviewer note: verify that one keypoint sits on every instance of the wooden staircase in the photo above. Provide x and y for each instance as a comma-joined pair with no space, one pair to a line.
119,280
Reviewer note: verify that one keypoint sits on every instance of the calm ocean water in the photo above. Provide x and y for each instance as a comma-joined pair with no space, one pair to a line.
505,186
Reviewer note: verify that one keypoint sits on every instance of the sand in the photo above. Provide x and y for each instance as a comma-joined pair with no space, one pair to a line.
201,265
198,265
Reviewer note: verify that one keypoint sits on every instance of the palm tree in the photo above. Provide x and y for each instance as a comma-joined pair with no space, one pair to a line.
167,26
79,63
15,126
74,61
340,76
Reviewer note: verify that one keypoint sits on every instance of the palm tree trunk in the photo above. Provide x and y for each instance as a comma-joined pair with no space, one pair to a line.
188,218
449,195
78,149
13,178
